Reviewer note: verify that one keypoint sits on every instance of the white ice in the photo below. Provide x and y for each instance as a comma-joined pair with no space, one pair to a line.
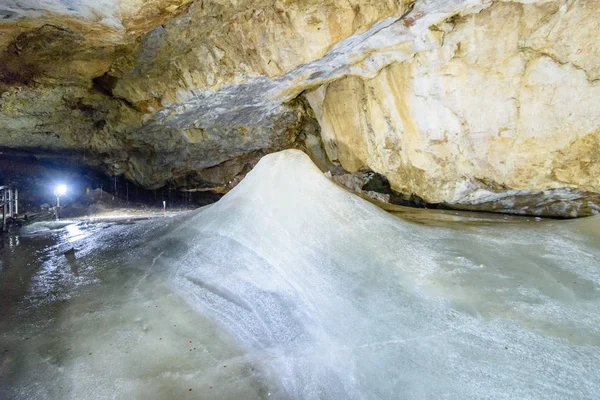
293,288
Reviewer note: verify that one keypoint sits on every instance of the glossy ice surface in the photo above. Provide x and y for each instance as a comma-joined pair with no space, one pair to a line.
290,287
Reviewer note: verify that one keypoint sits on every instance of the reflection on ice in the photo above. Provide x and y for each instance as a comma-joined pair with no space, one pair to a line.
291,287
75,233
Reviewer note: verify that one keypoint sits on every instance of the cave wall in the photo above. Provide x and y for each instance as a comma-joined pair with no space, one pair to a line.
503,113
210,85
470,103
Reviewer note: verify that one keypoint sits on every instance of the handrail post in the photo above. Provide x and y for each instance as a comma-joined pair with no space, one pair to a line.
3,192
10,203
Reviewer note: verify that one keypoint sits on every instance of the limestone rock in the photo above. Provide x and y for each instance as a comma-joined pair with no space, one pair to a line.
207,86
503,114
469,103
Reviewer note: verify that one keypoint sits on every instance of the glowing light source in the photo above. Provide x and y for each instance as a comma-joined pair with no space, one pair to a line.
60,190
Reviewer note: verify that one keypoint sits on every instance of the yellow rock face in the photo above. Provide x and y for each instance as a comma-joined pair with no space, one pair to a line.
508,101
216,43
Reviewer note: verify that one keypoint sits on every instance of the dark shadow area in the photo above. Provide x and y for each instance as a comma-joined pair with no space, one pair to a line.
89,190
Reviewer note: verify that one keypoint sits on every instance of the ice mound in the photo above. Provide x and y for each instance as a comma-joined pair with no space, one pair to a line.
333,298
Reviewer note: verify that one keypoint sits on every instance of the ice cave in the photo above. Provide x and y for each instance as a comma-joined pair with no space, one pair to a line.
285,199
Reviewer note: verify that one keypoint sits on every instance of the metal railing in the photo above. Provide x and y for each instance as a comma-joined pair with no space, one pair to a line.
9,203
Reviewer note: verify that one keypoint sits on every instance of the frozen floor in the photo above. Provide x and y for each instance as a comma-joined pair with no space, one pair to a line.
292,288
